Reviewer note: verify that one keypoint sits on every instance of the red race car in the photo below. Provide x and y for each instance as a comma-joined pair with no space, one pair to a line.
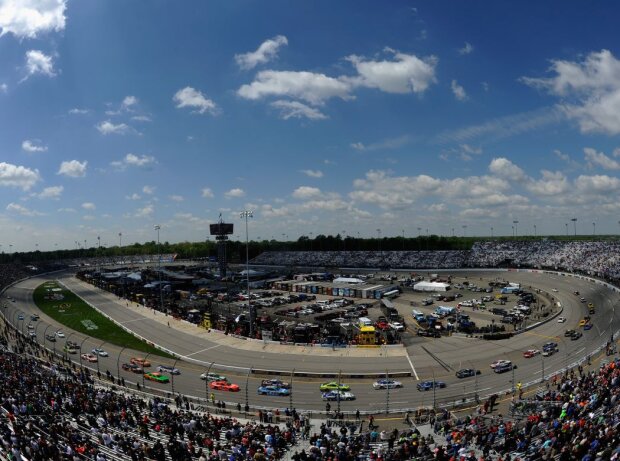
224,386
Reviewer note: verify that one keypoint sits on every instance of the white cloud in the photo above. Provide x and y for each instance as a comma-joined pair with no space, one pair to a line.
207,193
313,173
296,109
73,168
150,190
78,111
33,145
89,206
458,91
141,118
129,102
107,127
17,208
194,99
405,74
551,184
38,62
17,176
141,161
390,143
467,49
145,212
4,88
133,196
267,51
598,184
233,193
595,158
176,198
589,91
53,192
313,88
306,192
504,168
66,210
28,18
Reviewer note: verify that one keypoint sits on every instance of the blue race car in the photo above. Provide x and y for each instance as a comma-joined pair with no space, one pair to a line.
428,385
273,390
338,395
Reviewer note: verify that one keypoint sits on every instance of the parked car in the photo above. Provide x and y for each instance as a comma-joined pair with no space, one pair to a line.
387,384
157,377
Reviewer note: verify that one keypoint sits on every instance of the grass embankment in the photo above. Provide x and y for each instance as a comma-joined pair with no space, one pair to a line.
67,308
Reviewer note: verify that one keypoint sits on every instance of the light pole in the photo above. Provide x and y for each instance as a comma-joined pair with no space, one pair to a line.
464,226
491,231
516,223
379,240
344,243
157,227
534,230
566,224
574,220
593,229
248,214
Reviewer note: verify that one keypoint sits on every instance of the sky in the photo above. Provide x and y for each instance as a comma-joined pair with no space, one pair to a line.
359,118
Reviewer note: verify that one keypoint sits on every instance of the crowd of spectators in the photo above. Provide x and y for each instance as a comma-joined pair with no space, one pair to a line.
596,258
49,412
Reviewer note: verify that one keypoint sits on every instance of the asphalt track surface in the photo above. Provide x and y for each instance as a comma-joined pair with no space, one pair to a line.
423,359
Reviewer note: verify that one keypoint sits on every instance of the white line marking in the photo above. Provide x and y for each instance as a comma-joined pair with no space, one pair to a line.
412,368
203,350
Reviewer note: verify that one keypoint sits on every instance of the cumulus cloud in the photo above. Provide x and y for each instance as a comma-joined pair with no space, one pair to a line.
73,168
296,109
406,73
267,51
313,173
89,206
33,145
133,196
595,158
176,198
28,18
145,212
17,208
504,168
78,111
194,99
53,192
129,102
306,192
140,161
4,88
458,91
38,62
234,193
149,190
207,193
314,88
589,91
107,127
18,176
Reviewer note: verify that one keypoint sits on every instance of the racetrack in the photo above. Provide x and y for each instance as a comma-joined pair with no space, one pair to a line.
422,359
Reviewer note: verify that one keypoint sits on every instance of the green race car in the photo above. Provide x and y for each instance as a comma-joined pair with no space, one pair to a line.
334,386
157,377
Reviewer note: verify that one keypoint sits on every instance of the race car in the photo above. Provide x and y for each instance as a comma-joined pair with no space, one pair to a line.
531,353
387,384
275,382
89,357
428,385
168,369
224,386
334,386
132,367
499,362
273,390
140,361
99,352
212,377
337,395
157,377
466,373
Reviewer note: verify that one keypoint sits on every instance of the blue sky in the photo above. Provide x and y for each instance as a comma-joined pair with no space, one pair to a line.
320,117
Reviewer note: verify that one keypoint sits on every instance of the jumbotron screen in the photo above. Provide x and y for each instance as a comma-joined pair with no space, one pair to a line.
221,229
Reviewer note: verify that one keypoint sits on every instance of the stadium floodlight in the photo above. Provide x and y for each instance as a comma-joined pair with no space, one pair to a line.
248,214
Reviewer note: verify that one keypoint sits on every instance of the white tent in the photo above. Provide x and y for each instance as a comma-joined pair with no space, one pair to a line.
351,280
431,286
